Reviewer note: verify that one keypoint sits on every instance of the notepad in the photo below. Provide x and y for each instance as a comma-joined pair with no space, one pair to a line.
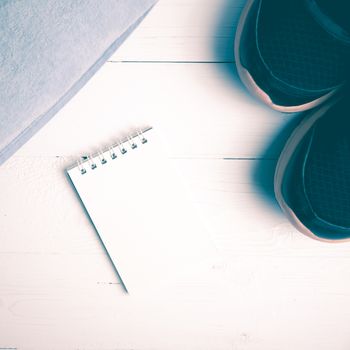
141,210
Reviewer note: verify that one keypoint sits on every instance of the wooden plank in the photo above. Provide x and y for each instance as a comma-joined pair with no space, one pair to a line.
203,110
267,299
235,197
58,289
178,30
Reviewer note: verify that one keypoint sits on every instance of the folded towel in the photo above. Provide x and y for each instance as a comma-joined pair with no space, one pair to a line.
48,51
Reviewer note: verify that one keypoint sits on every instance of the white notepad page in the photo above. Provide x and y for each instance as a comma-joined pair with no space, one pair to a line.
140,209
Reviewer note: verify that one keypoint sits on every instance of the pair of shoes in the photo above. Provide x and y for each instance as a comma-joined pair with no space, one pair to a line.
294,55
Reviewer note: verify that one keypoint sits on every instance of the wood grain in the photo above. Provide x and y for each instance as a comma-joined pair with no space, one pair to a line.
230,124
187,31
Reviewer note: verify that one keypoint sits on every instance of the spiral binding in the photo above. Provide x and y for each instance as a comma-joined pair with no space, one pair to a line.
102,157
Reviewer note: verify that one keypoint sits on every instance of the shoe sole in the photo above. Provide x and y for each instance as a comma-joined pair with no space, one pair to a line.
282,164
251,85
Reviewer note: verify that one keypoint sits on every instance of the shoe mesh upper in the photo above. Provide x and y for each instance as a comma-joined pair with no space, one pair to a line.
297,50
327,169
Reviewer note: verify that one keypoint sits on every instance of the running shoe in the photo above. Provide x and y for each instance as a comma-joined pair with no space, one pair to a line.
312,178
293,54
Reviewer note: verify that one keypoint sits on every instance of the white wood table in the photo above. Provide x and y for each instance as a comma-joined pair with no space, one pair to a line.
278,289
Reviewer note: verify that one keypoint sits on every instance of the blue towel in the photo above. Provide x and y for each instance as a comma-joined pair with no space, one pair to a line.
48,50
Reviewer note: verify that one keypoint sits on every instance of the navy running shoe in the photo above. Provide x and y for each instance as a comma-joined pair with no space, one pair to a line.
293,54
312,178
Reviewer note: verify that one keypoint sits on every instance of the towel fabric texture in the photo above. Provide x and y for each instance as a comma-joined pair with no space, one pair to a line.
48,50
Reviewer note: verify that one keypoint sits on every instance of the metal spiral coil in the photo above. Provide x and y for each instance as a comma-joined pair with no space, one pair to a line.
93,161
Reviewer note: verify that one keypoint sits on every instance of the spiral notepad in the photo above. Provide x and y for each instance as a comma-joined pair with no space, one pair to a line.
139,207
